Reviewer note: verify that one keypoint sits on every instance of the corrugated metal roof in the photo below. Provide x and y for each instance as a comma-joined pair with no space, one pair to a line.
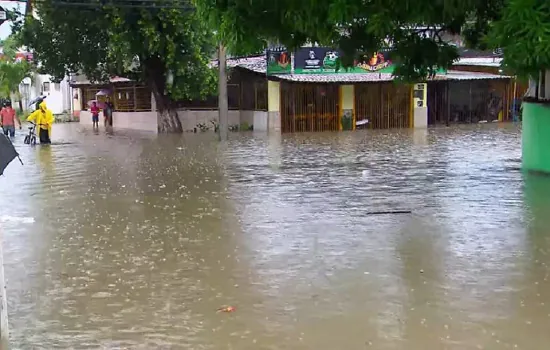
479,61
460,75
112,80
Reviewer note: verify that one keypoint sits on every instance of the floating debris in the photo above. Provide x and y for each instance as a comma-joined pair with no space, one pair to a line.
227,309
390,212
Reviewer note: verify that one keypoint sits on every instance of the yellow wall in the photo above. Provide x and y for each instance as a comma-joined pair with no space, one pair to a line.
273,96
347,97
347,101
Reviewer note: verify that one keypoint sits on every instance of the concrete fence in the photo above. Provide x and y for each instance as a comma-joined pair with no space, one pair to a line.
147,121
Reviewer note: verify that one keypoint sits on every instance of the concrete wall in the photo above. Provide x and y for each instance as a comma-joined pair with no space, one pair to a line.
145,121
247,117
535,138
190,119
260,121
420,117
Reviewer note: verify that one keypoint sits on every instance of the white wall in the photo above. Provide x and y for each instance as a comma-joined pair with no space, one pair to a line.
144,121
147,121
260,121
58,97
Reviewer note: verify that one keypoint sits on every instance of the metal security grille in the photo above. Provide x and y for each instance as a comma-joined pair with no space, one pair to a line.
473,101
385,105
309,107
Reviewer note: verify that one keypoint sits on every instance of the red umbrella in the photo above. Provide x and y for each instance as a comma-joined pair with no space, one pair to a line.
100,104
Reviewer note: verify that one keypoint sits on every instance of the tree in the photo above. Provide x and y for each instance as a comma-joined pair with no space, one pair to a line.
158,42
12,72
10,45
522,32
11,76
412,28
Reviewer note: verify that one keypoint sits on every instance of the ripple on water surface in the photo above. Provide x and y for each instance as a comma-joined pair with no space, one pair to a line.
134,241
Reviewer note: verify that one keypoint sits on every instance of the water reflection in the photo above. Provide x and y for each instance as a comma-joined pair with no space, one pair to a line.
139,239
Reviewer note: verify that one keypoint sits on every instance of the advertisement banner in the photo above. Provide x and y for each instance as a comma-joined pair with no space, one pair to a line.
278,61
326,60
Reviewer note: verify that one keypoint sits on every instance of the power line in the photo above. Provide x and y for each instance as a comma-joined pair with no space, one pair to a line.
145,4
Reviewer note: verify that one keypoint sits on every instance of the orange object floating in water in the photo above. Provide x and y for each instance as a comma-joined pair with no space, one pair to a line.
226,309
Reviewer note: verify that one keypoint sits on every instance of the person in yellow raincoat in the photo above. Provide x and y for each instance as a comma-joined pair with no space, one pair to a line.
43,118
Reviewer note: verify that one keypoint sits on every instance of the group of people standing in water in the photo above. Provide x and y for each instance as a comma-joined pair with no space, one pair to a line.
107,108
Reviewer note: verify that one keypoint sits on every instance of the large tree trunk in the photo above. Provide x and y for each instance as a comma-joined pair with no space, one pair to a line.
223,108
168,120
167,115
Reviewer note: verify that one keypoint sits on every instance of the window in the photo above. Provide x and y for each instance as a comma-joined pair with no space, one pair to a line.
57,87
46,86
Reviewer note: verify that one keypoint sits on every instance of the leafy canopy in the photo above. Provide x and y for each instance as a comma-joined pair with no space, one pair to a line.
12,72
413,28
523,33
11,76
167,47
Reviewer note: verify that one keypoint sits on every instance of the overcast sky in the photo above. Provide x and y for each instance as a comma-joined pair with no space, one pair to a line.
5,28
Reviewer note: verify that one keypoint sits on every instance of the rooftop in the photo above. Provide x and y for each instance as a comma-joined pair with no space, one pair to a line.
479,61
380,77
78,82
258,64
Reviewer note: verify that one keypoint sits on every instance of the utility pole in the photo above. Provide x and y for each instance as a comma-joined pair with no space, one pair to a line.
223,108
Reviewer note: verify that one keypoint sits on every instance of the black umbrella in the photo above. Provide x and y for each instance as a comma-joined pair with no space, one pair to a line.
7,153
37,100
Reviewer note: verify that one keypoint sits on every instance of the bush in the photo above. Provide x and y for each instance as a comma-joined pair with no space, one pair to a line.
22,115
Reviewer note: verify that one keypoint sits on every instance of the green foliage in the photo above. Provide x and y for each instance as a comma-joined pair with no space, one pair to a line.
22,115
11,75
523,33
356,26
10,45
167,48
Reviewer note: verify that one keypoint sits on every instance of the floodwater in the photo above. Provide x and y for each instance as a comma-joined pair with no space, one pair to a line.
133,241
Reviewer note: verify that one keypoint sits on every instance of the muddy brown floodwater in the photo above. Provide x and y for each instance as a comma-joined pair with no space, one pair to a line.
133,241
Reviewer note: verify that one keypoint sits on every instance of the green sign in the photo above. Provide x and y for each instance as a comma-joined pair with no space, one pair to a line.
322,60
323,70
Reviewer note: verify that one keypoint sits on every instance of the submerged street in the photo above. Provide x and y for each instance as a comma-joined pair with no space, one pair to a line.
134,241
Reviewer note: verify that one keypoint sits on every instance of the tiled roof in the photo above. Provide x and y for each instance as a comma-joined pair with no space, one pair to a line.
258,64
373,77
336,78
253,63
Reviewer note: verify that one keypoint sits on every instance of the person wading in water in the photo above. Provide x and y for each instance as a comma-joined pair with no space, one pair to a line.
9,120
108,112
94,109
43,118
